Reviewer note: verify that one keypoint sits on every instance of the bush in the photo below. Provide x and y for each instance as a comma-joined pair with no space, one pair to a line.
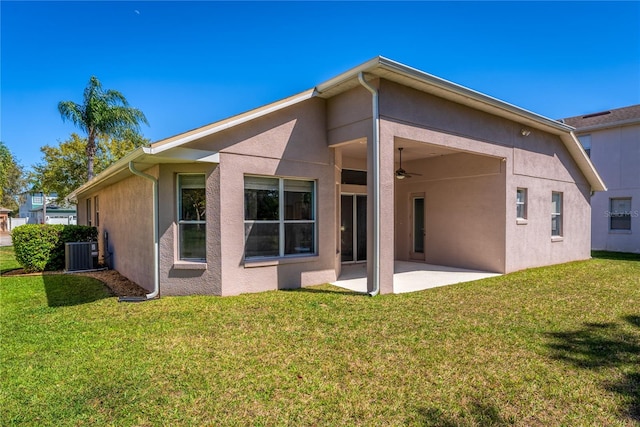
40,247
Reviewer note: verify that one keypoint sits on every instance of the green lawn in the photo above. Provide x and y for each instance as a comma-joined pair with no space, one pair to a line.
543,347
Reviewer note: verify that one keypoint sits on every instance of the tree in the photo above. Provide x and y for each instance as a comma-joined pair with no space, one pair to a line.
63,168
103,112
12,180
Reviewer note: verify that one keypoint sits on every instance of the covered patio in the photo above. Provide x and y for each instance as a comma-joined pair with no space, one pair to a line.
410,276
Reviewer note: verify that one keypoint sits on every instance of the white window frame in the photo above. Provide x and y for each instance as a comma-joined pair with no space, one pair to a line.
96,210
558,214
181,222
89,212
282,222
522,203
613,213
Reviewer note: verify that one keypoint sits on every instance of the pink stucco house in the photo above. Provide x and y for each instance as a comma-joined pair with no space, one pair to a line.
282,196
612,140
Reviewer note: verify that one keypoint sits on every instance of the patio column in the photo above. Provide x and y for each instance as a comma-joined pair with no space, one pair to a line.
387,210
385,170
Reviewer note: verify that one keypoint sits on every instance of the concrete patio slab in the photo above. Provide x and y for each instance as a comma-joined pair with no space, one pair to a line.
410,276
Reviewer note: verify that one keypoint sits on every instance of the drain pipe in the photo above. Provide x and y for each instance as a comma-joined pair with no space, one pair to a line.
156,264
376,184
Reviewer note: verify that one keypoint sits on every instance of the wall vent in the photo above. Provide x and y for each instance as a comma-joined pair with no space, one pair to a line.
79,256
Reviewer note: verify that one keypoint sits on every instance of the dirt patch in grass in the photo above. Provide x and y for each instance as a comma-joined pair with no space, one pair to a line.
119,285
116,282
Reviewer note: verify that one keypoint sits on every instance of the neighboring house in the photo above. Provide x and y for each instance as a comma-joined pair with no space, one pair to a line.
283,195
33,209
612,139
4,219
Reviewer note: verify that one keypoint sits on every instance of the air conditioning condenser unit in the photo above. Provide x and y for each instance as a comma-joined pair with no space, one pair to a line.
79,256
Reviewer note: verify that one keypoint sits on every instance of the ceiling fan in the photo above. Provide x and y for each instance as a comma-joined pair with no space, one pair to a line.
401,173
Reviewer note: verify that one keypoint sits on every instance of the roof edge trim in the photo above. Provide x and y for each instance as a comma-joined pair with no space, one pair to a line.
467,92
584,162
619,123
111,170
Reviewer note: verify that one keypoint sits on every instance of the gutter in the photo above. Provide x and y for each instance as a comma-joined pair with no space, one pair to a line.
156,246
376,184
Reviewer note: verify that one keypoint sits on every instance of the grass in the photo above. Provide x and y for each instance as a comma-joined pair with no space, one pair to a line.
549,346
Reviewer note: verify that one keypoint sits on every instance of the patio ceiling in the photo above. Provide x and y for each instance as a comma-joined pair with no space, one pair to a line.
413,150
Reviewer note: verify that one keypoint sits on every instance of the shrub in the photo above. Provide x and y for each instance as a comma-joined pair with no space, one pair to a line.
40,247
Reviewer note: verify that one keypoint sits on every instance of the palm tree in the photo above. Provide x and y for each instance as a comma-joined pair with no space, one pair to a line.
101,113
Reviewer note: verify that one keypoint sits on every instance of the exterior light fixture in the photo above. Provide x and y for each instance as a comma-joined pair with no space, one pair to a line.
525,132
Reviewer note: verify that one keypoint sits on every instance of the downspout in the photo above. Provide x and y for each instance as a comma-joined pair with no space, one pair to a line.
156,246
376,184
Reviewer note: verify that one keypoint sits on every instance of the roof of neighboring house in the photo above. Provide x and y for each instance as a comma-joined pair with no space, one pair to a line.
4,210
605,119
170,150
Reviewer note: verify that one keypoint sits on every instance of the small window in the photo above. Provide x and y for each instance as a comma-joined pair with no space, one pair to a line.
556,214
279,217
192,217
89,214
521,203
585,140
620,214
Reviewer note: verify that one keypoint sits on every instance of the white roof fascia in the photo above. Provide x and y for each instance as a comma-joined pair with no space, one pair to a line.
111,170
147,155
350,74
584,162
186,154
565,131
241,118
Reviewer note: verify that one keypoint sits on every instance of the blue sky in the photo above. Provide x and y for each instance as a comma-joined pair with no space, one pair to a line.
186,64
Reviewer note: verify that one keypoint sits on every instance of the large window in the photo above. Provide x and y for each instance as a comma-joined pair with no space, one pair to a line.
279,217
556,214
521,203
620,214
192,217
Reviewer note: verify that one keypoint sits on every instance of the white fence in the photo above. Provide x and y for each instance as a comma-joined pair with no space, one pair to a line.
71,220
16,222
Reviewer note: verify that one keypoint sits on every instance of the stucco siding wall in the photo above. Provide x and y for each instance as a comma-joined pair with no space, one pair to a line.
542,165
349,115
295,133
179,277
291,143
126,214
240,276
616,155
406,105
529,243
